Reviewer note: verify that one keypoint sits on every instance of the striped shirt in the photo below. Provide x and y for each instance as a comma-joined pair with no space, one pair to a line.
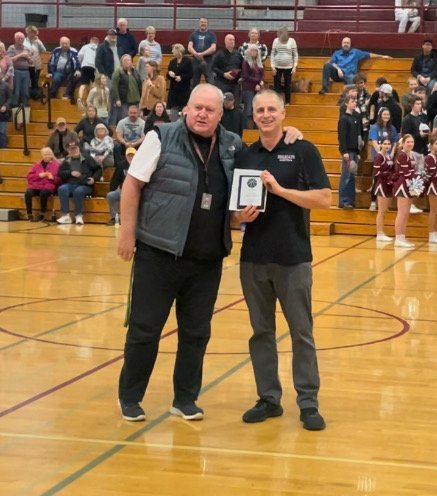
284,55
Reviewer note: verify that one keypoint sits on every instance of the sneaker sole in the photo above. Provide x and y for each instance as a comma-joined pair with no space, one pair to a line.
180,413
131,419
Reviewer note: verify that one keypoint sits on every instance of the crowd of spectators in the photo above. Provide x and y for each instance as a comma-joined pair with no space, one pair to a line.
122,101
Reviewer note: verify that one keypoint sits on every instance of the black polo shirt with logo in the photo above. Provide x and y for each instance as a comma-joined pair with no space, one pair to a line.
281,234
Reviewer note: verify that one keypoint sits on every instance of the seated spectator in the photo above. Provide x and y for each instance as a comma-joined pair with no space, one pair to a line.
42,181
78,175
226,65
152,45
386,100
102,147
87,59
180,72
343,64
85,127
252,80
22,59
424,66
60,137
254,40
129,133
126,88
375,96
157,116
406,99
113,197
232,118
100,98
6,67
5,111
406,12
36,46
154,88
64,66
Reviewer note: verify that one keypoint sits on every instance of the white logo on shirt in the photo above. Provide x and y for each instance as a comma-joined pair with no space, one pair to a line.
286,158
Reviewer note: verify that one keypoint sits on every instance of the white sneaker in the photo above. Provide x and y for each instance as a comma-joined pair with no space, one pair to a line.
415,210
384,238
372,207
403,243
65,219
432,238
79,219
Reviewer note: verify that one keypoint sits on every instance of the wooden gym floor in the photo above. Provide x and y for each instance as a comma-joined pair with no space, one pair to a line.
62,303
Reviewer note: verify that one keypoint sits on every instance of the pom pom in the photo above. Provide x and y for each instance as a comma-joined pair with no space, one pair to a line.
416,185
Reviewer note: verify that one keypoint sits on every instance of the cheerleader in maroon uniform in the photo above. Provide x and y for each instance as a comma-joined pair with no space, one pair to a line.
406,167
431,170
383,169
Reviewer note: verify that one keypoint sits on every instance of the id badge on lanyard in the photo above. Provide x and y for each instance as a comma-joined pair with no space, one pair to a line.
206,201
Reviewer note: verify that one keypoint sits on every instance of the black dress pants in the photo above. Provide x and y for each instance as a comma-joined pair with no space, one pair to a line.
159,280
44,195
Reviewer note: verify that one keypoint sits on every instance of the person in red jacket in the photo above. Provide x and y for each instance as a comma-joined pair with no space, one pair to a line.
42,181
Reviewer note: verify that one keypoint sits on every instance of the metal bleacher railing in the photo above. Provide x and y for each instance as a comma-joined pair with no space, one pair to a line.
183,14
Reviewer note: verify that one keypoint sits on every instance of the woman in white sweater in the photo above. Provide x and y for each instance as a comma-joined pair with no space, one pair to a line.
284,60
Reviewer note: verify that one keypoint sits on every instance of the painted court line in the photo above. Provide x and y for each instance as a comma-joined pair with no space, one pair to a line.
224,451
31,266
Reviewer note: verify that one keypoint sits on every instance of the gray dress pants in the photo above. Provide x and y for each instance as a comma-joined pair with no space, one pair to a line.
262,285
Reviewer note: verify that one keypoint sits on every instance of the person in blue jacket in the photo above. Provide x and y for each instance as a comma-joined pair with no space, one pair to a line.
343,65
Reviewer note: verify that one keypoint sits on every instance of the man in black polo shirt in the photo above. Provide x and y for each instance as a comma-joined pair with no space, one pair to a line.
276,260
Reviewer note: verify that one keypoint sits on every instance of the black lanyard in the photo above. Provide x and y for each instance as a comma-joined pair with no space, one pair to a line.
205,163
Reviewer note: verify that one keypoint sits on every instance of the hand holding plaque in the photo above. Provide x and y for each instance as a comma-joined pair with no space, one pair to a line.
247,189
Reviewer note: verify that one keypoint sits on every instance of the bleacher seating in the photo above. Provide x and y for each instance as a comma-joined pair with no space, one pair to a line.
314,114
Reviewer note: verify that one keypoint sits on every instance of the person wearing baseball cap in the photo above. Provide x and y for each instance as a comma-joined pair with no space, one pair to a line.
78,174
113,197
107,57
233,117
386,98
60,137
